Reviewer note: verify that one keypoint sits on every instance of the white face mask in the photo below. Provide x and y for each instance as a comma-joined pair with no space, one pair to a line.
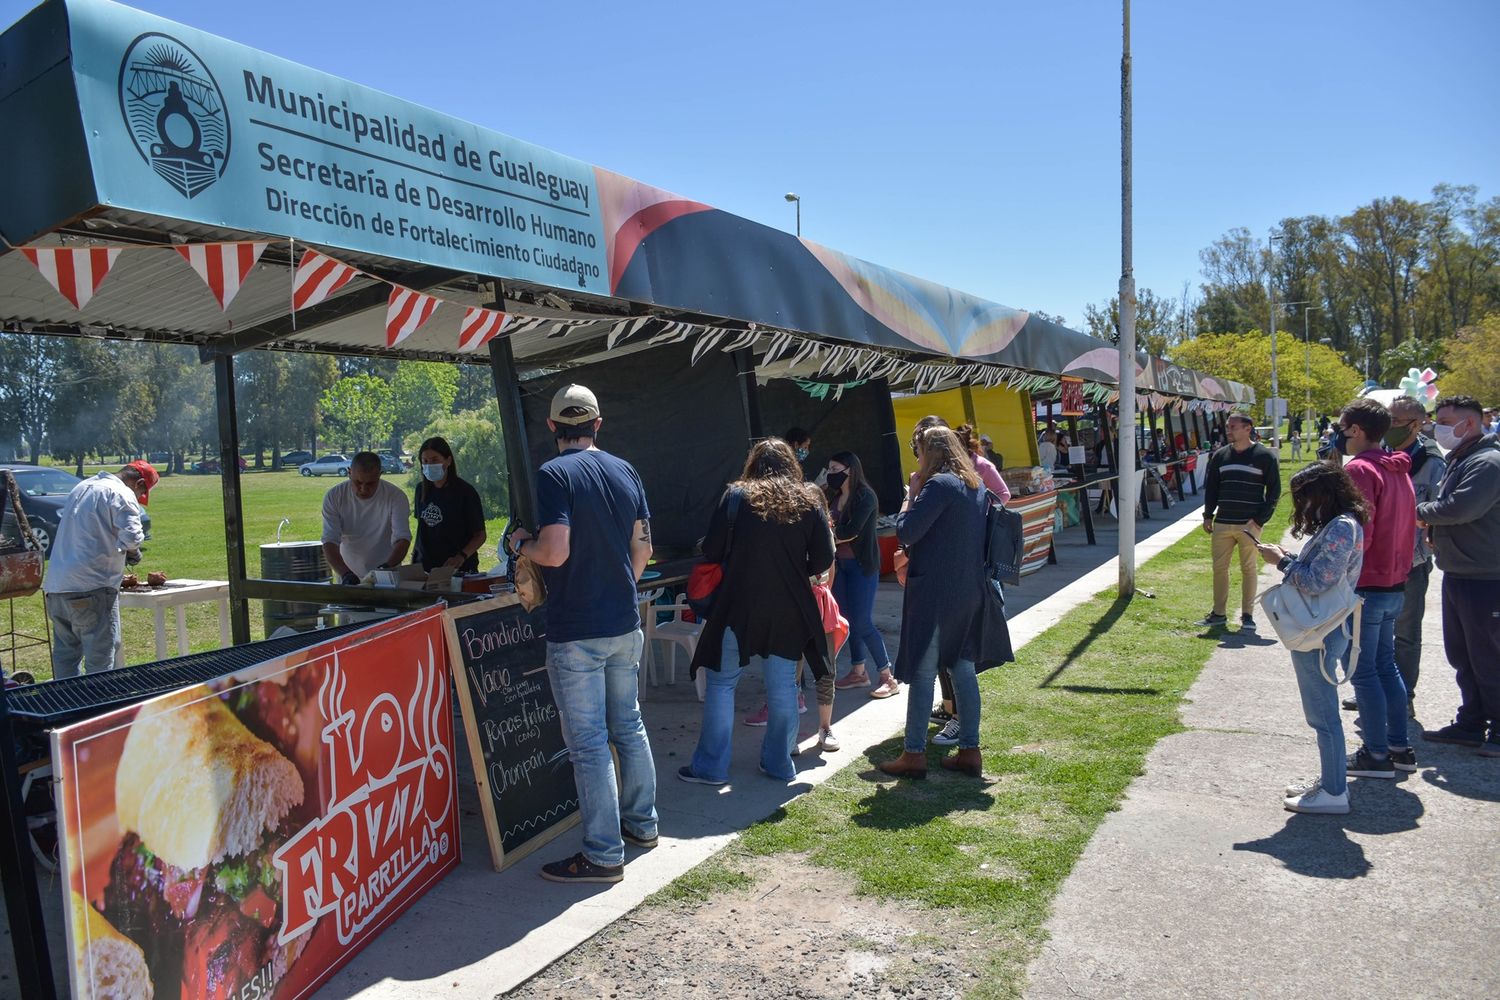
1447,437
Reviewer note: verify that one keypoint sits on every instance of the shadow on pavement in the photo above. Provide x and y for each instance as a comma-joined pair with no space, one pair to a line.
1103,625
1319,846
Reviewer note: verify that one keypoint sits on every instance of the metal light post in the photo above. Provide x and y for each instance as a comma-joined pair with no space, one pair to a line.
1125,450
1307,342
1275,385
798,199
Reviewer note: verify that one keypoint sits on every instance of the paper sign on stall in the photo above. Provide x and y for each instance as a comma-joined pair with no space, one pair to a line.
246,837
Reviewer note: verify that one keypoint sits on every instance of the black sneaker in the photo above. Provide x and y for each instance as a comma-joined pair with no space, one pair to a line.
1491,746
1456,735
940,714
1247,623
630,838
580,869
948,736
1404,760
1362,764
1211,620
685,772
1350,705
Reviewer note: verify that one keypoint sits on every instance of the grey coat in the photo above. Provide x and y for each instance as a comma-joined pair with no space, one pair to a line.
949,609
1465,518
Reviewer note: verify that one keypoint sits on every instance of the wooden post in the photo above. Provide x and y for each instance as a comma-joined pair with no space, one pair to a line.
513,426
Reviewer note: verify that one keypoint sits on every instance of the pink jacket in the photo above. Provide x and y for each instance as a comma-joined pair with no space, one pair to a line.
1390,535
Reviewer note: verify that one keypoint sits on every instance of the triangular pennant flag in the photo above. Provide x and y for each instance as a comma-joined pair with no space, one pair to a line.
76,274
318,276
222,266
406,310
479,327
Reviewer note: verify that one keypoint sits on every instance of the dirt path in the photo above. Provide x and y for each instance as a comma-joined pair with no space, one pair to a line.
795,932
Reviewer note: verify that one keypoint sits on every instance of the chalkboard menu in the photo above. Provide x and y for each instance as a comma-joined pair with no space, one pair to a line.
526,788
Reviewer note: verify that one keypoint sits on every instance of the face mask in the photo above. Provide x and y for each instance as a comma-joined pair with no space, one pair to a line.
1339,443
802,454
1447,437
434,473
836,480
1395,438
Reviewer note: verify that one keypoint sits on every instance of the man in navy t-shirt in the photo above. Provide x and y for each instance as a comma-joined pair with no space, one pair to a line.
593,541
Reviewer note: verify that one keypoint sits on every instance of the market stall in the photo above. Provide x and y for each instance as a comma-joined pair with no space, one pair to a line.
170,186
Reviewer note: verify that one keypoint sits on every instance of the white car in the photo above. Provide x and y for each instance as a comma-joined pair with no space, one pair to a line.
328,465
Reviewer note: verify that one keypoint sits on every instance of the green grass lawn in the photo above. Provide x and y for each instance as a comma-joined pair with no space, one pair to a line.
1064,730
187,542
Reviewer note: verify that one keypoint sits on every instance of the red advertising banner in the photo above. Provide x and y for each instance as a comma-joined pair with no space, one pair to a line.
1072,396
243,839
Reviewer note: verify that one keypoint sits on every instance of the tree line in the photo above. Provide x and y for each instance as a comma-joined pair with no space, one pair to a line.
1392,285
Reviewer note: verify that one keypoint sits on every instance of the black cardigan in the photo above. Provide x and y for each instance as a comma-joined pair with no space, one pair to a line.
766,597
858,522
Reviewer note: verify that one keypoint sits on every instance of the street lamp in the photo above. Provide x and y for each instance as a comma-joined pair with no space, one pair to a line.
798,199
1275,385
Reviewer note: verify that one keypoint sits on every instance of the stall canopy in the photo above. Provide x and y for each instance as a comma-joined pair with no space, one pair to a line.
139,139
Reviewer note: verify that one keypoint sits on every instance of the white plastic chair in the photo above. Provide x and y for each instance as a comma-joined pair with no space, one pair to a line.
675,633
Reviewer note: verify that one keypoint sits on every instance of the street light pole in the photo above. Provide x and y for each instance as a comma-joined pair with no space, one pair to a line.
798,200
1125,449
1275,385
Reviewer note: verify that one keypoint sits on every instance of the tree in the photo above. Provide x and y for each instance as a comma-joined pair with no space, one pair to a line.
478,454
1409,354
1157,322
1472,367
181,396
1246,357
29,386
421,392
476,388
359,411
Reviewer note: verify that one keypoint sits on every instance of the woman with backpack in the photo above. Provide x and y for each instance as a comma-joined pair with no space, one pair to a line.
1328,506
764,608
950,616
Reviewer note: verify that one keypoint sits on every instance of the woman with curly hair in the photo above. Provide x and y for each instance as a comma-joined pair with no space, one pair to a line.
950,616
764,609
1328,506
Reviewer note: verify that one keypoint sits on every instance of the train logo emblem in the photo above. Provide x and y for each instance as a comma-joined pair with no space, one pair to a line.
174,110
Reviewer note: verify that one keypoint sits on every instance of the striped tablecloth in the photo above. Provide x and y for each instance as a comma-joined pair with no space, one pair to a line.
1036,512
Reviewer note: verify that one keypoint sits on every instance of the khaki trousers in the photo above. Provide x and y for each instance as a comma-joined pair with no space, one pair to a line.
1226,538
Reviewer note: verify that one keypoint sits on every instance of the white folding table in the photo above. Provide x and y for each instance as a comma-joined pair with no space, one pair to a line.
179,594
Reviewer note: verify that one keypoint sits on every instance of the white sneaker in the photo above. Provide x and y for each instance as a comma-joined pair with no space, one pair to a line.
1318,801
827,742
1299,788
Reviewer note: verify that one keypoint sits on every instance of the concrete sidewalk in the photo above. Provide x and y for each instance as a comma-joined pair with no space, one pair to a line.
1201,885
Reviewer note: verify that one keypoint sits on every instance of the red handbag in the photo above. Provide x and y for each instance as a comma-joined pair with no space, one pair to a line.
705,579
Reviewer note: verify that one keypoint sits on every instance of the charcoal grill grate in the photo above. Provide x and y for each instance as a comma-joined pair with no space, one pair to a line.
54,703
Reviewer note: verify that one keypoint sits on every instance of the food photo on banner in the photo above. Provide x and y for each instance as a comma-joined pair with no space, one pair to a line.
244,838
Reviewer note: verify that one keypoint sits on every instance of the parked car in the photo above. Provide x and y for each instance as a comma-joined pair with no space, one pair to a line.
328,465
43,492
207,467
159,457
392,463
296,458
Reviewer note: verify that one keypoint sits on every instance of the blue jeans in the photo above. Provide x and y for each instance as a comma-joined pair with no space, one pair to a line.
597,684
1320,707
1377,681
855,593
85,629
919,702
711,758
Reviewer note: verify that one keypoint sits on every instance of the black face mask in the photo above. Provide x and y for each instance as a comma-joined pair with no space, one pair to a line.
836,480
1339,442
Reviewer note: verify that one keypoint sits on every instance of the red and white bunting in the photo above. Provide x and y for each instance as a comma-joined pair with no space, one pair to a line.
76,274
223,266
318,276
406,310
479,327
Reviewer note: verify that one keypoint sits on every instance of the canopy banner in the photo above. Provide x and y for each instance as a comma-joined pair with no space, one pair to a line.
246,837
158,118
1072,396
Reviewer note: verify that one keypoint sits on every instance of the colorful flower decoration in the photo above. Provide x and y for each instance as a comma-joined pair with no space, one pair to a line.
1421,386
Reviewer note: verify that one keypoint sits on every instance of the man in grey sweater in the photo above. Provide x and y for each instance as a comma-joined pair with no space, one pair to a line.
1465,523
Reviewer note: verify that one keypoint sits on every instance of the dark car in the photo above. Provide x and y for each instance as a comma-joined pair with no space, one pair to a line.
43,492
390,462
296,458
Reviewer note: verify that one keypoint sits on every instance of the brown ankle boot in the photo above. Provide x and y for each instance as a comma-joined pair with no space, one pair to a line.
965,762
908,765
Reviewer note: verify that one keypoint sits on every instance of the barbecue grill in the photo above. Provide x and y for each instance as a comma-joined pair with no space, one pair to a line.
52,704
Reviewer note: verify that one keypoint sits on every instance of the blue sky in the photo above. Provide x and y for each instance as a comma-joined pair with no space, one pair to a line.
974,144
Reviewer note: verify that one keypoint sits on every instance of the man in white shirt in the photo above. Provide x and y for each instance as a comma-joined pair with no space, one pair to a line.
98,533
366,522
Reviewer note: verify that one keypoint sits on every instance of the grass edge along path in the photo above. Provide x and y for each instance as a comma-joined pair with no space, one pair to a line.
1065,729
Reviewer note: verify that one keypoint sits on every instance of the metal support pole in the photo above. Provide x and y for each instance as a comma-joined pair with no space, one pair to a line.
513,427
744,367
1275,384
229,481
1125,452
23,901
966,396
